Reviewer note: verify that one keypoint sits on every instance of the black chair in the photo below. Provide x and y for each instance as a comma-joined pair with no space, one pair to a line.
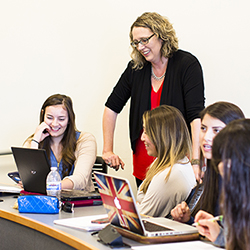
100,166
193,198
6,153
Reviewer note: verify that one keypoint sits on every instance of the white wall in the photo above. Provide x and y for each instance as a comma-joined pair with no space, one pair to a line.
80,48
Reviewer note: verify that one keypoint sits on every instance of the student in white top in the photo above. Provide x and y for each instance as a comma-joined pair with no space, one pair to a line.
170,178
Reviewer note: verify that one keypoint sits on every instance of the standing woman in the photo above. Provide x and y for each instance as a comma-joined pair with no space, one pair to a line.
73,152
170,178
159,73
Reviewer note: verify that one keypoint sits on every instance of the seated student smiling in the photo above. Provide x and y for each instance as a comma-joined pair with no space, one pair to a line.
170,178
72,151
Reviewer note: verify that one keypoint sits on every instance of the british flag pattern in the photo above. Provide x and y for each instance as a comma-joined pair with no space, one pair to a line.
118,202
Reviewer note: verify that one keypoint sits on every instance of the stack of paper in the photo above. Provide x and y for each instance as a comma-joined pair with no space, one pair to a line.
10,189
83,223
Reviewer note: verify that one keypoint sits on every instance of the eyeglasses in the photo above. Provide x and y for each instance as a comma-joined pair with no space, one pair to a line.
143,41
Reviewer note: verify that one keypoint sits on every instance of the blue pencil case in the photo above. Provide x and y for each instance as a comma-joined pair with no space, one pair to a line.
40,204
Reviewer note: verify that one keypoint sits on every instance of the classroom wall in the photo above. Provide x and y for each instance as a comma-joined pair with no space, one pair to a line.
80,48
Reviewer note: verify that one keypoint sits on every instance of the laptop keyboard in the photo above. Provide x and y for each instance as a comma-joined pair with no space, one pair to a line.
151,227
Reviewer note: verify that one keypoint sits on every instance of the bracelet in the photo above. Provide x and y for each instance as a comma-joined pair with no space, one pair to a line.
195,162
35,141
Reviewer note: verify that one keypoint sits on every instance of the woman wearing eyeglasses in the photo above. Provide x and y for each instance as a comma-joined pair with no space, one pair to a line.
159,73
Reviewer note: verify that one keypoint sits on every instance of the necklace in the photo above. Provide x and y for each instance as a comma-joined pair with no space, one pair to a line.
156,77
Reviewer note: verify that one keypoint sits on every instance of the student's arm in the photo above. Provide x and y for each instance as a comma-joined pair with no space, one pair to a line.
85,158
67,184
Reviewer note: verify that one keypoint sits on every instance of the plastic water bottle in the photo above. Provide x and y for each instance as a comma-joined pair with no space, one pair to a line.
53,183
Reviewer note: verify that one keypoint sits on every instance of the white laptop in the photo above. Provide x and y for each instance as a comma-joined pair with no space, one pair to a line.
120,204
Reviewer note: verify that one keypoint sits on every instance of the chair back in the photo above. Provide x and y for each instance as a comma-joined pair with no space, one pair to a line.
100,166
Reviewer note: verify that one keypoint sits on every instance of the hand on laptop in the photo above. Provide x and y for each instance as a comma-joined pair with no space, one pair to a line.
181,212
113,160
20,184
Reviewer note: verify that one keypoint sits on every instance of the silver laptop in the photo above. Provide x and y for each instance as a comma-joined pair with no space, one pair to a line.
120,204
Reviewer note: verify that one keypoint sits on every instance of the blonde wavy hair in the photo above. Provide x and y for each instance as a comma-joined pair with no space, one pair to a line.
162,28
167,130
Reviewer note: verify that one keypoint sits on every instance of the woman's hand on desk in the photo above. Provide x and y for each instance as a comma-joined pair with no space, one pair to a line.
181,212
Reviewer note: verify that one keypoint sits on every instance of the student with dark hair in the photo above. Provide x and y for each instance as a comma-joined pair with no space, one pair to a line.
231,157
213,119
72,151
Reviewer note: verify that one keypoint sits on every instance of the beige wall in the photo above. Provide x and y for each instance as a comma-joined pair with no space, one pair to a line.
80,48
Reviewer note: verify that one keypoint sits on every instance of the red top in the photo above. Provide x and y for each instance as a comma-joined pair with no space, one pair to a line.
141,160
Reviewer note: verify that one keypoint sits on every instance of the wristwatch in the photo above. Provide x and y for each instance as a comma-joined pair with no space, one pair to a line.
195,162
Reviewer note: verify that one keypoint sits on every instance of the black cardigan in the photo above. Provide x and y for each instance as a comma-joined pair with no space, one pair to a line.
183,88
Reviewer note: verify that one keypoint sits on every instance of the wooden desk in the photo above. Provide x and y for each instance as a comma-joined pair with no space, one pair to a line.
37,231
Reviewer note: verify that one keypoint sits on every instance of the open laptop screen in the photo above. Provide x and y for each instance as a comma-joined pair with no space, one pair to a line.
33,167
119,203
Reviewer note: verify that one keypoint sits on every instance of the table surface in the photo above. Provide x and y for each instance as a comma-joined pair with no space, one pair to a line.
9,201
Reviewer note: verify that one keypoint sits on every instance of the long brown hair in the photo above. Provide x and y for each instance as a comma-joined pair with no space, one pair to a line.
69,139
232,147
167,130
225,112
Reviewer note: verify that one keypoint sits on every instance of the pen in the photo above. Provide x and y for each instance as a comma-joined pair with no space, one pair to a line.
217,218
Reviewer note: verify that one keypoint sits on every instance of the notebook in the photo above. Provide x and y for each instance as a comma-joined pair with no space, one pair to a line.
84,223
119,202
33,167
